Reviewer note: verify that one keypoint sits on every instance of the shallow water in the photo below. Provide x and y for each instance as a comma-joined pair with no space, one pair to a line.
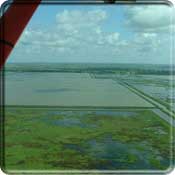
55,90
158,86
76,118
67,89
117,155
116,113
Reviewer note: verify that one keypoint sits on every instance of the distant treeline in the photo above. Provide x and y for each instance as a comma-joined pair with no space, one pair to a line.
138,69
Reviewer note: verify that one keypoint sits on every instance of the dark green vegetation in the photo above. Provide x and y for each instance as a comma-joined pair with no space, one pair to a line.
48,138
146,69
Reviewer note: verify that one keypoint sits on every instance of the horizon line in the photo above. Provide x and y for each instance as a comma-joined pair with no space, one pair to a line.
87,63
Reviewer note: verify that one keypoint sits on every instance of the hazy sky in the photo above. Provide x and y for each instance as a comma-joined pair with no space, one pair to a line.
91,33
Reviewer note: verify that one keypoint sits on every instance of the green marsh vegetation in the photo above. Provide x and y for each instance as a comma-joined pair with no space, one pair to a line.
43,139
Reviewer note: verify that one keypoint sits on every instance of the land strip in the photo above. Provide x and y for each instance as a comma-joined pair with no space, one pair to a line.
165,113
78,108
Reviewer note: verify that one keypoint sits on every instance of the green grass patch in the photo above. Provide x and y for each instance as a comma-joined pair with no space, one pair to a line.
47,139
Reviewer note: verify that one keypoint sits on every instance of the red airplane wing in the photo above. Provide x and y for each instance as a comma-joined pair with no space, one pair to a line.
12,24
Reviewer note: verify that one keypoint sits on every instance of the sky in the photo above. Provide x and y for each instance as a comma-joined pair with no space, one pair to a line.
97,34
